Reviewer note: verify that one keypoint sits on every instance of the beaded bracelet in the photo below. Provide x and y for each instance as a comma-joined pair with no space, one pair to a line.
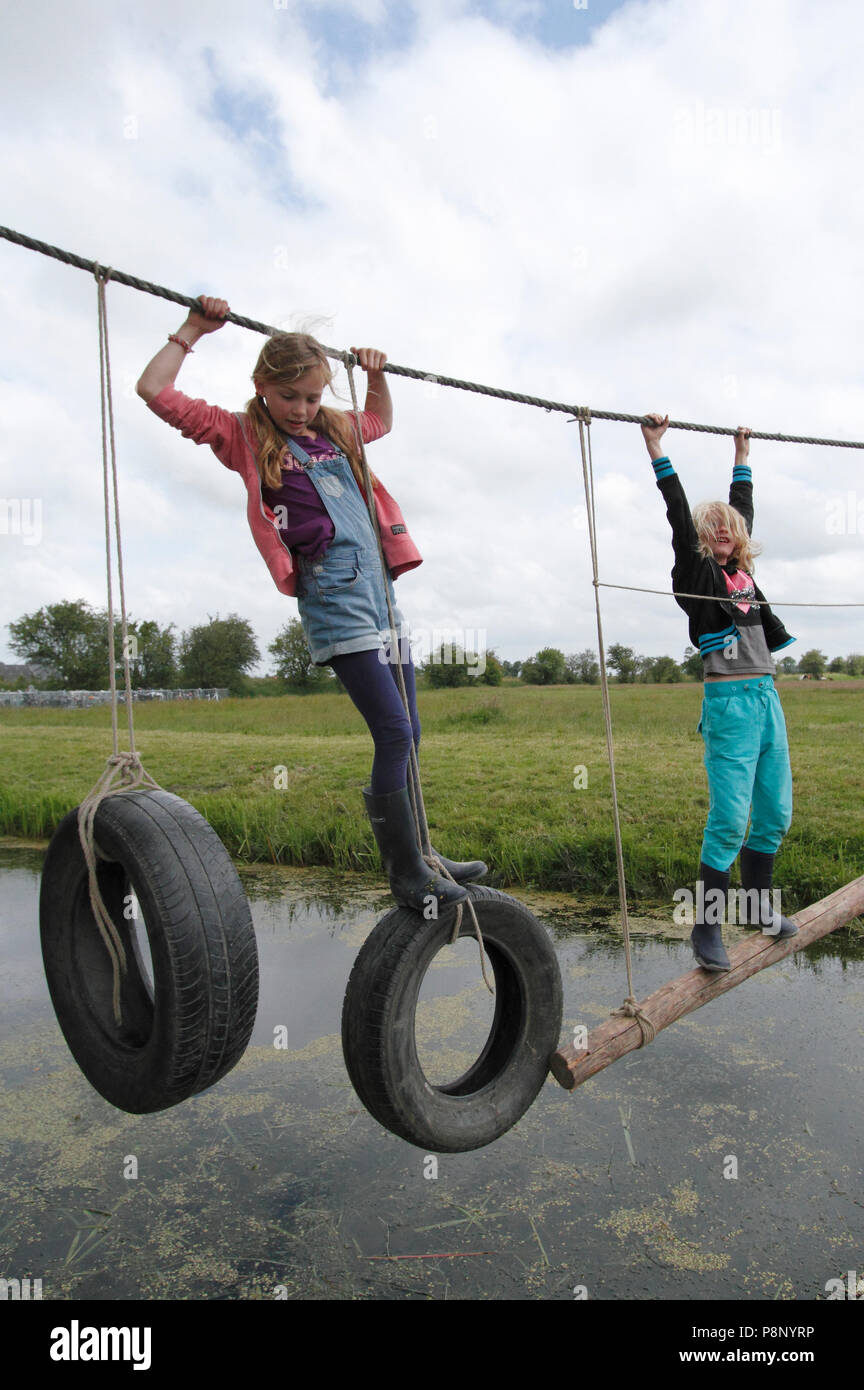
172,338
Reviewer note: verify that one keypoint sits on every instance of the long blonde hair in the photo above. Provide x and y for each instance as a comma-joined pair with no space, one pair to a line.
283,359
709,517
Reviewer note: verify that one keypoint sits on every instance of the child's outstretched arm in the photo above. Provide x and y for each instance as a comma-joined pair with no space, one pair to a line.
378,397
163,368
741,491
684,538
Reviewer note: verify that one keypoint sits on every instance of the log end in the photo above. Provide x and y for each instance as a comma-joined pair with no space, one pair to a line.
561,1065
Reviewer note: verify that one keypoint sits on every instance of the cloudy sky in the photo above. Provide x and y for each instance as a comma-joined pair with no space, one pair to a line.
646,205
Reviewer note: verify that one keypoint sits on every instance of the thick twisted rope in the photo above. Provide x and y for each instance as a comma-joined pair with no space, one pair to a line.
124,772
147,286
350,360
421,825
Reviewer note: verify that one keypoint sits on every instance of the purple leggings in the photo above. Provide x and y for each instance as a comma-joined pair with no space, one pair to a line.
374,687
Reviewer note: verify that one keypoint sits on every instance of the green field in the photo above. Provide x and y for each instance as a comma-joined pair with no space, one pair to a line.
497,767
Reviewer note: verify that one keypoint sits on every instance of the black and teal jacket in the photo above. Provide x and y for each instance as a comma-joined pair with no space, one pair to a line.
713,625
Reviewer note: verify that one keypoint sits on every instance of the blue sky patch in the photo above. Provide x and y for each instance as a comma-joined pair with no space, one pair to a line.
556,24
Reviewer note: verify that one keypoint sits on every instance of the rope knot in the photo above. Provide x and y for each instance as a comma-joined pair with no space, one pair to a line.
128,764
630,1009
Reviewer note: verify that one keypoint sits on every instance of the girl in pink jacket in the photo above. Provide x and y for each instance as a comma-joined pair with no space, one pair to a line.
306,508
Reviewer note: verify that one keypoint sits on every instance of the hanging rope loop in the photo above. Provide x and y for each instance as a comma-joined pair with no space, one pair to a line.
124,771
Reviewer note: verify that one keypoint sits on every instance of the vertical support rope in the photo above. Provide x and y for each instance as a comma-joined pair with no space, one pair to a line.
127,766
108,408
421,826
629,1006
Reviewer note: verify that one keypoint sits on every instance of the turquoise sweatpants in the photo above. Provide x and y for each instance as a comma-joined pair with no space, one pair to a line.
747,761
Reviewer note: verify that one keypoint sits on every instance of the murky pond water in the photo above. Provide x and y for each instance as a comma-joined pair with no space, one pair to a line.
279,1176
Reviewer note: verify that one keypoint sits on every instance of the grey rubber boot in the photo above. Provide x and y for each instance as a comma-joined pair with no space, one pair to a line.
757,871
707,935
412,881
467,872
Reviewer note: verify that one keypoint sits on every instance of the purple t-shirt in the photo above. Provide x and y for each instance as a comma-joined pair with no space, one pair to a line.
308,528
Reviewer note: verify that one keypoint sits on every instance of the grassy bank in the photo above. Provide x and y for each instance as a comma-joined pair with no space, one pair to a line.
498,779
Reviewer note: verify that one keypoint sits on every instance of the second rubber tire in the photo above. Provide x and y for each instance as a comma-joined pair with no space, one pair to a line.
378,1038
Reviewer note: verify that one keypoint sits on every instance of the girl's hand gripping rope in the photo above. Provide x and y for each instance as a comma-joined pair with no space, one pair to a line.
742,443
653,430
213,317
371,359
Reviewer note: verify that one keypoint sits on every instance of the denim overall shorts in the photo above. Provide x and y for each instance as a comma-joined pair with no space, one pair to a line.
340,596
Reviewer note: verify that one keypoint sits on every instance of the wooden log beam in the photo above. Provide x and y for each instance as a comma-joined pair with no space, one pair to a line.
620,1035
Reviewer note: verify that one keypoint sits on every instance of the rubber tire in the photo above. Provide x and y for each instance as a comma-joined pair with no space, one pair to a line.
194,1025
378,1025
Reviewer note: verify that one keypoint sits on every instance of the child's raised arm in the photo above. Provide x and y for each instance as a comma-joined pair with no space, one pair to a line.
653,433
741,491
378,397
163,368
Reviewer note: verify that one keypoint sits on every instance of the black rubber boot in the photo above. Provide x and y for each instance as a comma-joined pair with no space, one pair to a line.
412,881
467,872
707,936
757,871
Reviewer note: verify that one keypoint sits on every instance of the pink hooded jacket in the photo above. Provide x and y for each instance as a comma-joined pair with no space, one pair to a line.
230,436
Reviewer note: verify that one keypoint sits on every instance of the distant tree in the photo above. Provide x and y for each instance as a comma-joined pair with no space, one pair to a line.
68,640
294,665
855,664
623,661
837,664
531,673
788,665
693,665
813,662
666,669
511,668
547,667
446,668
493,673
584,667
155,666
218,653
